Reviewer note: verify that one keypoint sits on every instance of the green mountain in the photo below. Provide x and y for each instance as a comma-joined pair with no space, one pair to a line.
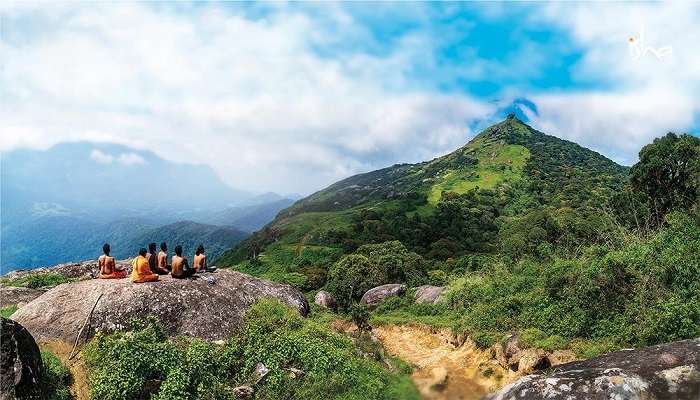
439,208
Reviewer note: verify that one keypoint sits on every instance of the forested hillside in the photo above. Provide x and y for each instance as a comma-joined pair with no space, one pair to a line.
449,206
525,232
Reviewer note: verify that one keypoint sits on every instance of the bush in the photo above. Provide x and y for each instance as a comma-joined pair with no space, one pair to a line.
360,316
56,377
351,277
6,312
121,363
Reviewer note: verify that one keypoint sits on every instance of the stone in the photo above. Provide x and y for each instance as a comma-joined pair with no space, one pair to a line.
78,270
530,360
191,307
429,294
376,296
20,362
10,295
325,300
243,392
666,371
558,357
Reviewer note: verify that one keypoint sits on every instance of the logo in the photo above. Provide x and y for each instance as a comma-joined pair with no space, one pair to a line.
638,48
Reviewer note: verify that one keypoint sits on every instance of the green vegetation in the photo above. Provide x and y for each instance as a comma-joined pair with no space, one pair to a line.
55,379
6,312
124,365
530,234
37,281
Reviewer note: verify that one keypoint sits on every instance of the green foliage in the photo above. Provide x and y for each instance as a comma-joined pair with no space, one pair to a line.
360,316
484,340
373,265
533,337
668,173
352,276
6,312
122,363
56,378
37,281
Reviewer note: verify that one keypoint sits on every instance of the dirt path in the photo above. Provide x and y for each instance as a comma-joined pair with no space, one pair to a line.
79,388
442,370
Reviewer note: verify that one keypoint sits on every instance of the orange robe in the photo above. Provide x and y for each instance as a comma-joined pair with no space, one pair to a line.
141,271
109,272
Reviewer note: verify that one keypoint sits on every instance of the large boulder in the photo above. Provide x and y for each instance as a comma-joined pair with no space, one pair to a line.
210,307
429,294
376,296
325,300
75,270
10,295
667,371
20,363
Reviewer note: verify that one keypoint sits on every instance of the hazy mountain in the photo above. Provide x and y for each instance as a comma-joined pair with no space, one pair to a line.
61,204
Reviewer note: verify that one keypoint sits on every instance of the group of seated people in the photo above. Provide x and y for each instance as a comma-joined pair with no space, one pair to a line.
147,265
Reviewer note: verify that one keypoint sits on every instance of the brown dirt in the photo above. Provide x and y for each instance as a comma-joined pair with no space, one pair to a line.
79,388
442,370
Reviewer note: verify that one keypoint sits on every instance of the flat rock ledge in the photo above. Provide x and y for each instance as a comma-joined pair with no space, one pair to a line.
666,371
211,306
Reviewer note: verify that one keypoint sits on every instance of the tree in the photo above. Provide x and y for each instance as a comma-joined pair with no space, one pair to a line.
668,173
351,277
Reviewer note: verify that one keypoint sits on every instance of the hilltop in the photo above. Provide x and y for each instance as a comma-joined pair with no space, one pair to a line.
504,172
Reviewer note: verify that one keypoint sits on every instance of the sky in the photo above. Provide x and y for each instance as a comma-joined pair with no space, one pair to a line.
290,97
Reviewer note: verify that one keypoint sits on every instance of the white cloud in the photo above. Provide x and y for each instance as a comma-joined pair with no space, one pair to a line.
641,98
130,159
247,96
101,157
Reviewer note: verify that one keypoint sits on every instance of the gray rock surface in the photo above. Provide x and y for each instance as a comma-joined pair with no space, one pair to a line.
429,294
667,371
20,363
78,270
376,296
325,300
10,295
212,306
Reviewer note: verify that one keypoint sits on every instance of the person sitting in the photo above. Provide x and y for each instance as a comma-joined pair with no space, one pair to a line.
163,257
200,261
152,262
181,268
108,268
141,270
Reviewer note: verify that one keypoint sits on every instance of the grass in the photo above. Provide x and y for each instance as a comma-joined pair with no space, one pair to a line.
6,312
37,281
497,164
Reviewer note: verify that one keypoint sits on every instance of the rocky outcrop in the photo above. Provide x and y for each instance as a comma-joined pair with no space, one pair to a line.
518,358
376,296
20,363
210,306
325,300
10,295
429,294
667,371
78,270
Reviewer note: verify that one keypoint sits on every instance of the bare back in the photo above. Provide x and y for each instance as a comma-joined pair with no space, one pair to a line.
162,259
200,261
106,264
178,263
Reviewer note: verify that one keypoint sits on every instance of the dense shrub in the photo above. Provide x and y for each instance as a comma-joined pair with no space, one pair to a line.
121,364
373,265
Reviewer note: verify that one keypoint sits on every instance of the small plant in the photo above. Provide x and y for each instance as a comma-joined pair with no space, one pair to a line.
6,312
360,316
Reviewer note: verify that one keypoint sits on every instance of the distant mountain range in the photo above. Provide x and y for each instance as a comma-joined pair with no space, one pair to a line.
62,204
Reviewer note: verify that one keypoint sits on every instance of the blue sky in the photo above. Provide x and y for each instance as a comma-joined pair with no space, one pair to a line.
290,97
